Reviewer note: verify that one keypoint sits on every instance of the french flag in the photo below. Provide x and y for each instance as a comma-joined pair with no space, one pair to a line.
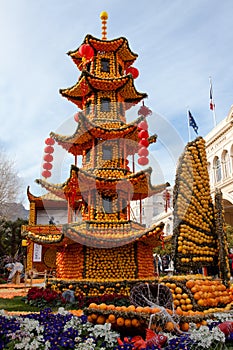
212,105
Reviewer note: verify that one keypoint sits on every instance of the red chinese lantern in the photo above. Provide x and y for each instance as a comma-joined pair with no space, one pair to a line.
47,166
76,117
49,141
144,143
143,125
143,134
133,71
143,152
49,149
48,157
143,161
86,51
46,173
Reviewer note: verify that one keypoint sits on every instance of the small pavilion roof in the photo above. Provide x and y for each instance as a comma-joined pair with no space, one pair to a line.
118,45
87,130
88,83
81,181
86,233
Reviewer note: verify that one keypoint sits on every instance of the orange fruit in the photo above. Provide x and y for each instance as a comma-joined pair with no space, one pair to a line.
123,308
102,306
112,318
120,321
89,319
131,308
178,290
78,312
139,309
169,326
179,311
101,319
147,309
93,317
128,322
111,307
190,284
154,310
184,326
93,306
135,322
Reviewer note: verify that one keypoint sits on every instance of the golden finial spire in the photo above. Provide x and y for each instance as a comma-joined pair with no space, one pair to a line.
104,17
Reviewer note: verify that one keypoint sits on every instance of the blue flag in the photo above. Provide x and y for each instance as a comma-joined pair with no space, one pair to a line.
192,122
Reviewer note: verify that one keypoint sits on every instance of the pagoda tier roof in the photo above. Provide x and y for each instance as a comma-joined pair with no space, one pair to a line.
47,199
80,182
118,45
87,130
44,234
88,83
93,234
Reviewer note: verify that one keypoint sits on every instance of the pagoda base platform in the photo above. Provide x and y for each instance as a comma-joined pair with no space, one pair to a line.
93,288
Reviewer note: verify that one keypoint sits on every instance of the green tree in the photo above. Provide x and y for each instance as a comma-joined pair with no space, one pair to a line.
10,236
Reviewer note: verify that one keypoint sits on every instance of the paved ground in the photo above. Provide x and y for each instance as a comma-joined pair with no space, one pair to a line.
10,290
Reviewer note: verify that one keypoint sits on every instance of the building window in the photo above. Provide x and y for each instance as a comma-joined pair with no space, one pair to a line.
107,204
105,65
88,66
105,105
88,107
107,152
88,155
217,170
168,229
121,108
120,69
226,164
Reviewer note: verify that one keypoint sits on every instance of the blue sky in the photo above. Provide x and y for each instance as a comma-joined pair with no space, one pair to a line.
180,44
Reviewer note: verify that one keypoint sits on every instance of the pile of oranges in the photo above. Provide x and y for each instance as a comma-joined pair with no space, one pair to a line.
124,316
197,293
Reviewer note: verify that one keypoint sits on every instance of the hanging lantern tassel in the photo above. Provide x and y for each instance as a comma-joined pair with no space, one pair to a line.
166,197
143,110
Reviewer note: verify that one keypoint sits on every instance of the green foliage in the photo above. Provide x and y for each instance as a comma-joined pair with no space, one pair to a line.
168,249
10,236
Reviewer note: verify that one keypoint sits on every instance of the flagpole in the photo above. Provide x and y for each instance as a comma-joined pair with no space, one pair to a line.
212,101
189,132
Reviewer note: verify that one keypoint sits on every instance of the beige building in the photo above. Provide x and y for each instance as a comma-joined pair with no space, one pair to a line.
219,150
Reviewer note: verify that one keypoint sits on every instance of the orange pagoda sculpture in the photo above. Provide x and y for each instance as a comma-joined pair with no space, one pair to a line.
106,244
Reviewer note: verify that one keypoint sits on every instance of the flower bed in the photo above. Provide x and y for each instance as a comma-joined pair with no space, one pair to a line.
64,330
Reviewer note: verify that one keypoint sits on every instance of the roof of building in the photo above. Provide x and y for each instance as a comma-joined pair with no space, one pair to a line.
81,182
118,45
87,130
92,234
88,83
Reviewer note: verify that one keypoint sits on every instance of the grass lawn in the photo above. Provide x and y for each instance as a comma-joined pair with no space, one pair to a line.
16,304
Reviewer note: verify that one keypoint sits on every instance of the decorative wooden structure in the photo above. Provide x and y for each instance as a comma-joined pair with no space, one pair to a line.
106,245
